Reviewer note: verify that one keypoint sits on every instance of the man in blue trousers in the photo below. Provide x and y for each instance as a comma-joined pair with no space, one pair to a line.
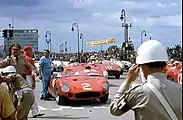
45,73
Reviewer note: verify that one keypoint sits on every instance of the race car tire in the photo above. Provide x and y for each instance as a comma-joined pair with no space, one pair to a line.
122,72
49,95
61,100
104,99
117,76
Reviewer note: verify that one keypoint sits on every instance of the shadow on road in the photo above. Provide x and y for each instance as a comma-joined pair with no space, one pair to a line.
113,78
112,85
89,103
63,117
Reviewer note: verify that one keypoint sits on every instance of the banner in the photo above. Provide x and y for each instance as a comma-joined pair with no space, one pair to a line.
101,42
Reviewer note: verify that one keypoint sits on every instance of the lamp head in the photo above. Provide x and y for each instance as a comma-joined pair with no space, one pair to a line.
121,17
130,24
72,28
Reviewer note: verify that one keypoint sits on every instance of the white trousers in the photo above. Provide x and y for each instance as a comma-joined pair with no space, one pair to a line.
34,108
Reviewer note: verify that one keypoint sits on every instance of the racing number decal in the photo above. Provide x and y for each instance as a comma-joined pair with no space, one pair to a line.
86,86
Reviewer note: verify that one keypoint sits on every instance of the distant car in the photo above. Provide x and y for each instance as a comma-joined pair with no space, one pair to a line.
94,68
83,85
112,69
57,66
118,62
175,74
127,64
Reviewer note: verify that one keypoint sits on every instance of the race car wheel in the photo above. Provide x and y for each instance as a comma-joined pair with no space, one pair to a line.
117,76
61,100
50,96
104,98
121,72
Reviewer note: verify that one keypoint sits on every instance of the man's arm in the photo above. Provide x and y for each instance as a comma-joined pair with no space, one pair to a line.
33,78
8,110
41,63
5,63
114,108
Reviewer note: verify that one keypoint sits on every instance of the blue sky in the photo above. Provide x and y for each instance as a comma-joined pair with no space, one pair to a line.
98,19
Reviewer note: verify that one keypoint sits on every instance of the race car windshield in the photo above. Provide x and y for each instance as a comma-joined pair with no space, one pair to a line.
68,73
90,74
94,74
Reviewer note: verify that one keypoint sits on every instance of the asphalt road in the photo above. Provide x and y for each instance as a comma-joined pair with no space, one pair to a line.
81,111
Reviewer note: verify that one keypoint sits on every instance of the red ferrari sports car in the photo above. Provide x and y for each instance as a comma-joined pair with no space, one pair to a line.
83,85
94,68
174,74
111,68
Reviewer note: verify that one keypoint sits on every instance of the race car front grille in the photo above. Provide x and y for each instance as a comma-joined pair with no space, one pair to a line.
87,95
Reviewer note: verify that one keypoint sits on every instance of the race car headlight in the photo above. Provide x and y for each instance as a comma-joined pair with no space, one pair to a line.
64,88
106,86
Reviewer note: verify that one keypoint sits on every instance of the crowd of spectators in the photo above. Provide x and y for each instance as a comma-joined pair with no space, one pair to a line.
112,52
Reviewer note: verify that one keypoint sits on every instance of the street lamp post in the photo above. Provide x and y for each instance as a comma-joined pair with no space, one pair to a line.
48,41
81,37
126,26
78,37
143,33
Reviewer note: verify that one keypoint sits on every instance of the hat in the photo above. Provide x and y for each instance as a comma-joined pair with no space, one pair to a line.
147,52
15,45
27,48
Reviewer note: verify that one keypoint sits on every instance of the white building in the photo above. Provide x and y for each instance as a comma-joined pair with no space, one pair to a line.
25,37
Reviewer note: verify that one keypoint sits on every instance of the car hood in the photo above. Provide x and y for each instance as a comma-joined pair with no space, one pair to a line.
83,83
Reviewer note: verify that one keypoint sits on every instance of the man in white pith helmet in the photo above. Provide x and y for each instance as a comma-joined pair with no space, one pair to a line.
146,99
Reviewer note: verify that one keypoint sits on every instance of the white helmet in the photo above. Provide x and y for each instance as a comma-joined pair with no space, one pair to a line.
151,51
9,69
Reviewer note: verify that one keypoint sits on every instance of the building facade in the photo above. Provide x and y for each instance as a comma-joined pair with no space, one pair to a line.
25,37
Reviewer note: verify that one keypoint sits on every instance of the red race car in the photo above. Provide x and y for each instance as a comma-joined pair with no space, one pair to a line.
111,68
83,85
174,74
94,68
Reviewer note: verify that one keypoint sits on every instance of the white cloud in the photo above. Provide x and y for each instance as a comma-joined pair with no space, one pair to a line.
175,20
173,4
98,19
81,3
161,5
97,15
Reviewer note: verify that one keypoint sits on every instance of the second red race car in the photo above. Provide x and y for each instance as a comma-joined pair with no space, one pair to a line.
83,85
111,68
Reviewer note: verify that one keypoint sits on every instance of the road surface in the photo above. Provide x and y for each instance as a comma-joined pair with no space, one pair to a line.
81,111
